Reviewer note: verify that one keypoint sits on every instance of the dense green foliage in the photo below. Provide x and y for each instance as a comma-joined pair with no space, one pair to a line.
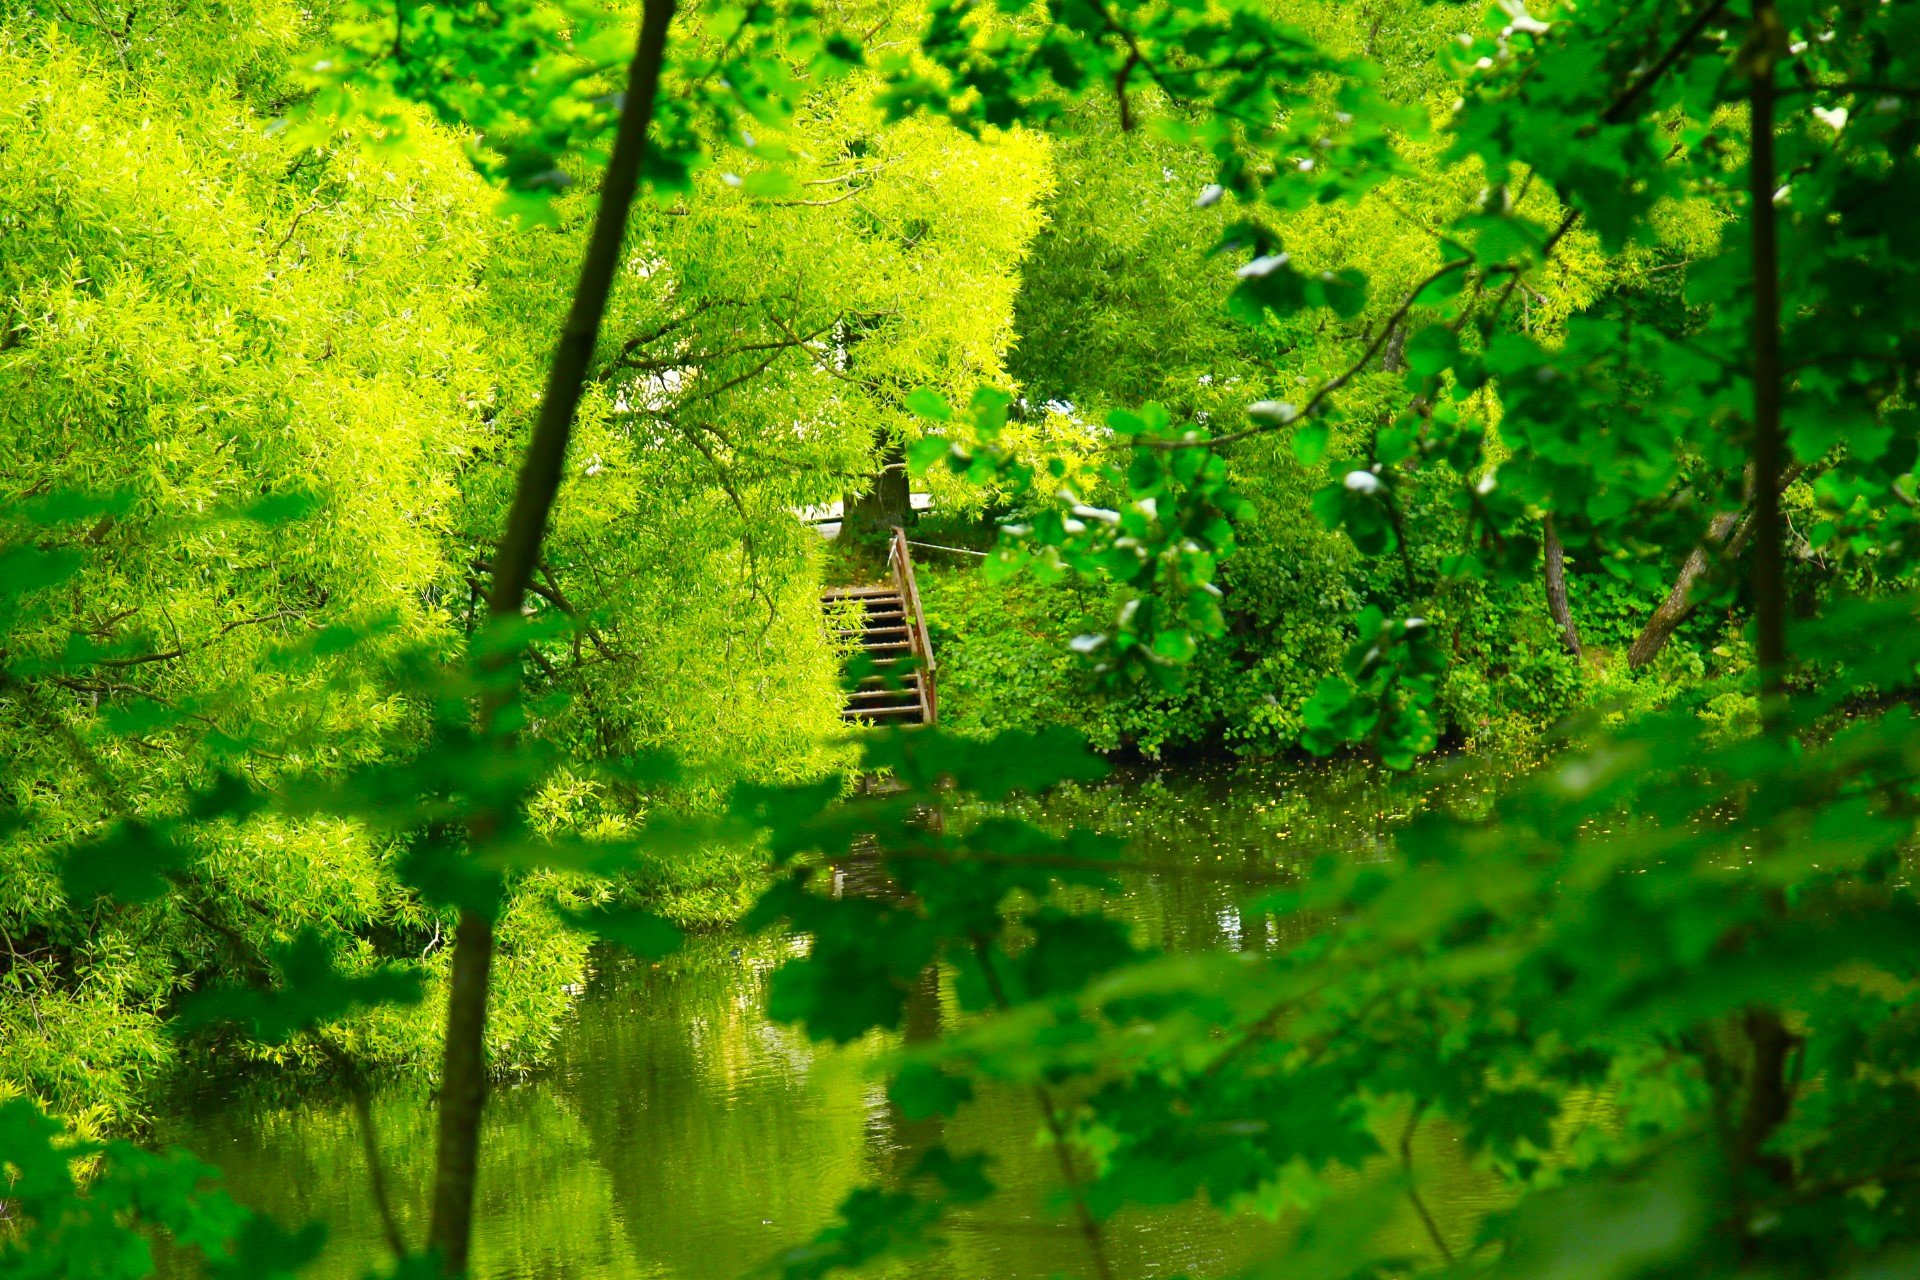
223,324
1318,380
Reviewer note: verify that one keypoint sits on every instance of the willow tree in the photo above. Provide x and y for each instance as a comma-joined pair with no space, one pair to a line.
217,328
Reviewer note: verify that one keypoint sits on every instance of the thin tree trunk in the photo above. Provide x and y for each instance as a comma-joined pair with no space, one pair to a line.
1557,603
1769,1098
463,1075
1769,531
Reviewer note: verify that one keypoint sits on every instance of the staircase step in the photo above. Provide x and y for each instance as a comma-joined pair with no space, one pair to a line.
867,713
860,593
873,619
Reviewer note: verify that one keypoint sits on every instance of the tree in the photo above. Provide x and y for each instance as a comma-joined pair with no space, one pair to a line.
1708,922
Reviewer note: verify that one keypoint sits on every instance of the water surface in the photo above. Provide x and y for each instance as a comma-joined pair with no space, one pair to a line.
680,1134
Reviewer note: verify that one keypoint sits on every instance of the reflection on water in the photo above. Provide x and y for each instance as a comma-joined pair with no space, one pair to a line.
680,1134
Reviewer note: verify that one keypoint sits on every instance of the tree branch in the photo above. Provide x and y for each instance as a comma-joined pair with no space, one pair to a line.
1413,1192
1617,110
1056,1129
1327,388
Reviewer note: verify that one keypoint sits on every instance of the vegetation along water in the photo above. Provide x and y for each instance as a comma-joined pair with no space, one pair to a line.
1109,638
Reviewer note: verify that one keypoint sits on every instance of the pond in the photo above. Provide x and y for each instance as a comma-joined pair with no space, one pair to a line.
680,1134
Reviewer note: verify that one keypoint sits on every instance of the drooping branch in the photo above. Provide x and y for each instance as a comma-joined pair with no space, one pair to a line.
1413,1190
724,477
358,1094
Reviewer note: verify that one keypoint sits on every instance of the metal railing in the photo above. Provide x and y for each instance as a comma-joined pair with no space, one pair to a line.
900,563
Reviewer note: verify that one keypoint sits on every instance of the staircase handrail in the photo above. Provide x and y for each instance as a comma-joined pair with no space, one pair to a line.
900,561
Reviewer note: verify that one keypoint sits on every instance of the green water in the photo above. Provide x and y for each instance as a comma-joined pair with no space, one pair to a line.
680,1134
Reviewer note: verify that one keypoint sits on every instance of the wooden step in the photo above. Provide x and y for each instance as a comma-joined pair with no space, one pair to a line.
869,713
860,593
901,689
869,631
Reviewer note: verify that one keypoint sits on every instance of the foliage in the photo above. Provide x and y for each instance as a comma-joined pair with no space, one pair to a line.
1491,425
212,340
101,1233
1489,974
1696,921
205,310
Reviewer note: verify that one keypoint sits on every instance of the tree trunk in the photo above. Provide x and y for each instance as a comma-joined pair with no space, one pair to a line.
1557,603
1672,611
1769,581
463,1072
1735,529
888,501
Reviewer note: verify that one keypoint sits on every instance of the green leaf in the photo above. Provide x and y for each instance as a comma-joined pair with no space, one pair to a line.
923,1091
1310,443
1432,350
1502,1121
284,508
989,411
24,569
924,452
529,210
769,183
133,862
27,1144
643,933
928,403
1345,291
1175,646
311,991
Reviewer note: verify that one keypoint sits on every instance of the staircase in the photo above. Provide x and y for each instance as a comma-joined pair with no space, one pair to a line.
887,626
